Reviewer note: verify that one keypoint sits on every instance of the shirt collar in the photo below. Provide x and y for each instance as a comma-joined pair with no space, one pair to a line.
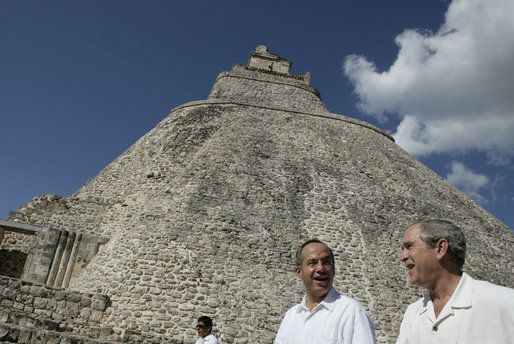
461,297
327,302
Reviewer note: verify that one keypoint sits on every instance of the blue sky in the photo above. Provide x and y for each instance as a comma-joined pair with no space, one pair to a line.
80,81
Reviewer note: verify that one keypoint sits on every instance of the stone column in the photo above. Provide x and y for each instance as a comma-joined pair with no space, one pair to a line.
71,261
57,258
41,256
65,259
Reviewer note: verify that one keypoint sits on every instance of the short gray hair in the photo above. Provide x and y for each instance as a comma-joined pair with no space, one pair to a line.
298,258
433,230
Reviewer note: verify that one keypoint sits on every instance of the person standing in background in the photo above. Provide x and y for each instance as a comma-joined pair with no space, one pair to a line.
204,329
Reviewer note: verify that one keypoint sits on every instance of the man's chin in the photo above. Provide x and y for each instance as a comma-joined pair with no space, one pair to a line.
411,277
322,288
413,281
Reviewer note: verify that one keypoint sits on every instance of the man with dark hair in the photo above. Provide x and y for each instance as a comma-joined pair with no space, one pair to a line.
457,308
324,315
204,328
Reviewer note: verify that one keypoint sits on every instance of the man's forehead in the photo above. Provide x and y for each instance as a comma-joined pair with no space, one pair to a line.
413,229
315,249
411,233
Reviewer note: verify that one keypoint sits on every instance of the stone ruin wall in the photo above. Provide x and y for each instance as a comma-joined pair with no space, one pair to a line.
84,216
266,89
203,215
54,311
176,244
65,214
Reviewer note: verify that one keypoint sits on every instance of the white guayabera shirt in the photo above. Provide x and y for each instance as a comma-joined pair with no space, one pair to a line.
477,312
337,319
209,339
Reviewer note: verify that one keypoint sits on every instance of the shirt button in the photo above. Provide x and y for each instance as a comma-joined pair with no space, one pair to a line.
434,328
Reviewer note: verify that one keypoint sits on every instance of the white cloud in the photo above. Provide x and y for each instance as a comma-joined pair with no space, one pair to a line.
468,181
453,90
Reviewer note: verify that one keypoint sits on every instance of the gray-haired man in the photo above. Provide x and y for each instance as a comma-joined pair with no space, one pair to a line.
457,308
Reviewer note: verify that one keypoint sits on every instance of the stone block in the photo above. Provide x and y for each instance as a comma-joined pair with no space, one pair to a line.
40,303
72,309
25,289
25,336
96,316
85,313
12,335
9,294
52,338
14,283
4,331
105,333
73,297
85,301
60,295
4,282
6,303
4,315
100,302
36,290
18,305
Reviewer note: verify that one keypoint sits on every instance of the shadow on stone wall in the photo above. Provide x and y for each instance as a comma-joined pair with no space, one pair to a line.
12,263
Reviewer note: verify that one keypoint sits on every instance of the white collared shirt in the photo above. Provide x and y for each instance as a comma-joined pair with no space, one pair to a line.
336,319
209,339
477,312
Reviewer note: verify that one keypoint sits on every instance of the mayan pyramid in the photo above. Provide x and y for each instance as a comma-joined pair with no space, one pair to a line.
202,215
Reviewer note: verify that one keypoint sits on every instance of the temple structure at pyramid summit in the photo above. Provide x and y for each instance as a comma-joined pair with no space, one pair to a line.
203,214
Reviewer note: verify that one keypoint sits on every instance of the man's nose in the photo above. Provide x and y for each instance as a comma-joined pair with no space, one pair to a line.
403,255
320,266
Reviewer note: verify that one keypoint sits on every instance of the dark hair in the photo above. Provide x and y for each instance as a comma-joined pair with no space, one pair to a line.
433,230
205,320
298,258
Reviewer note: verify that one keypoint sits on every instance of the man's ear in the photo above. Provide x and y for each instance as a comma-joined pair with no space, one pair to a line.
298,272
442,247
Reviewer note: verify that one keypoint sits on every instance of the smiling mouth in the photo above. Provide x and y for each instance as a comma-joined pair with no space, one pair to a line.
321,279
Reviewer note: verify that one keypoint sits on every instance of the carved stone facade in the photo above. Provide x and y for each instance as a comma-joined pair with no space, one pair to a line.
202,215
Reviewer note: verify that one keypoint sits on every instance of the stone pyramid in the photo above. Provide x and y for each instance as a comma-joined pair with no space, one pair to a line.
202,215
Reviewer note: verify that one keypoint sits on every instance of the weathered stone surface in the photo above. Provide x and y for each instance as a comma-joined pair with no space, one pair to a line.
203,215
40,308
18,334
